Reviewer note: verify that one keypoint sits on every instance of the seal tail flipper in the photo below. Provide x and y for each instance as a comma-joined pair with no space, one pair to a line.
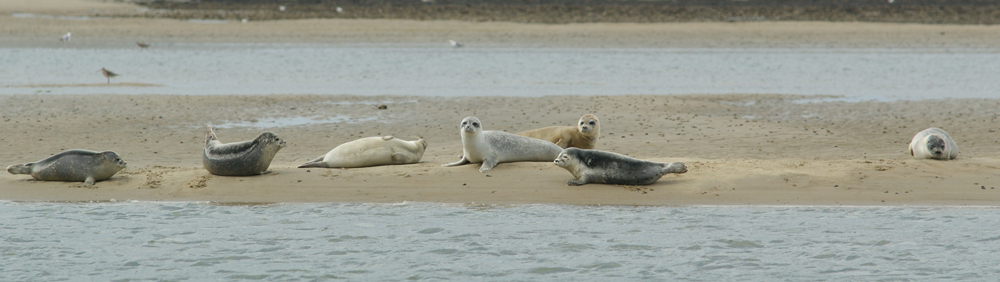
90,181
20,168
210,135
318,162
674,168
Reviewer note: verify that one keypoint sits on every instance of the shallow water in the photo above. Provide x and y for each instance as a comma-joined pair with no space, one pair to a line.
207,69
416,241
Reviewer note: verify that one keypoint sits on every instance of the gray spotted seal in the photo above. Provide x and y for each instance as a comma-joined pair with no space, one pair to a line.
494,147
371,151
584,135
73,165
593,166
240,158
933,143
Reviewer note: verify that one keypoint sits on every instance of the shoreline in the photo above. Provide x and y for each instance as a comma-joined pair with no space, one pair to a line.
699,130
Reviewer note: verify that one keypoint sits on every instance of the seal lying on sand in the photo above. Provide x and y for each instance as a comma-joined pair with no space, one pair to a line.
933,143
494,147
240,158
584,135
371,151
73,165
593,166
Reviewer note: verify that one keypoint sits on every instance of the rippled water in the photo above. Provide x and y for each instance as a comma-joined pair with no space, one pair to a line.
415,241
205,69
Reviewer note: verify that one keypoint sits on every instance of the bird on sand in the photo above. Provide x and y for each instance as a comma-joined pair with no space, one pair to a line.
455,44
65,37
108,74
142,45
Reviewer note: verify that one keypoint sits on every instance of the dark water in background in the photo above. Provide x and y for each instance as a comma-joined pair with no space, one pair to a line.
209,69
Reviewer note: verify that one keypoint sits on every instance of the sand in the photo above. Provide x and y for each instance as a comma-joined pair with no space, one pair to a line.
754,149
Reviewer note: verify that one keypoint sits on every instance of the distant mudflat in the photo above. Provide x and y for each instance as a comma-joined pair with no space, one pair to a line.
576,11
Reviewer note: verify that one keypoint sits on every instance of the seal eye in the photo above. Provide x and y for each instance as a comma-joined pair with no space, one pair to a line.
464,122
476,124
592,123
581,123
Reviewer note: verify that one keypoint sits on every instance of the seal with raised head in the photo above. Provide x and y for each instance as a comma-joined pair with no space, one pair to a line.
584,135
371,151
244,158
494,147
594,166
933,143
73,165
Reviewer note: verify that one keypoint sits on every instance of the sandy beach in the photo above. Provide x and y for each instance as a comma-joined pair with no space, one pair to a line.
755,149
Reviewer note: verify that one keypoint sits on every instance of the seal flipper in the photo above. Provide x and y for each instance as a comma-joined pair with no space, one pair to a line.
580,181
90,181
210,135
674,168
20,168
488,164
459,162
400,158
318,162
562,143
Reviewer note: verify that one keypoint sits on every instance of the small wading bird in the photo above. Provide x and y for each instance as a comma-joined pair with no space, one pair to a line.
142,45
455,44
340,10
108,74
65,37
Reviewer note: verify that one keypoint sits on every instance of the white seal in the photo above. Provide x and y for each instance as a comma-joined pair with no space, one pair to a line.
494,147
593,166
371,151
584,135
933,143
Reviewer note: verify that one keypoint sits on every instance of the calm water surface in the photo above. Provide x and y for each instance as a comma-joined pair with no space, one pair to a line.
415,241
207,69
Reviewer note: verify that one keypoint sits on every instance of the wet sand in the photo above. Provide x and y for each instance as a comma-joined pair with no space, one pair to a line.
740,149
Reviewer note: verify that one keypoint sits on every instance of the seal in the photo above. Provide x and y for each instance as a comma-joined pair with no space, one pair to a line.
933,143
73,165
240,158
371,151
594,166
494,147
584,135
